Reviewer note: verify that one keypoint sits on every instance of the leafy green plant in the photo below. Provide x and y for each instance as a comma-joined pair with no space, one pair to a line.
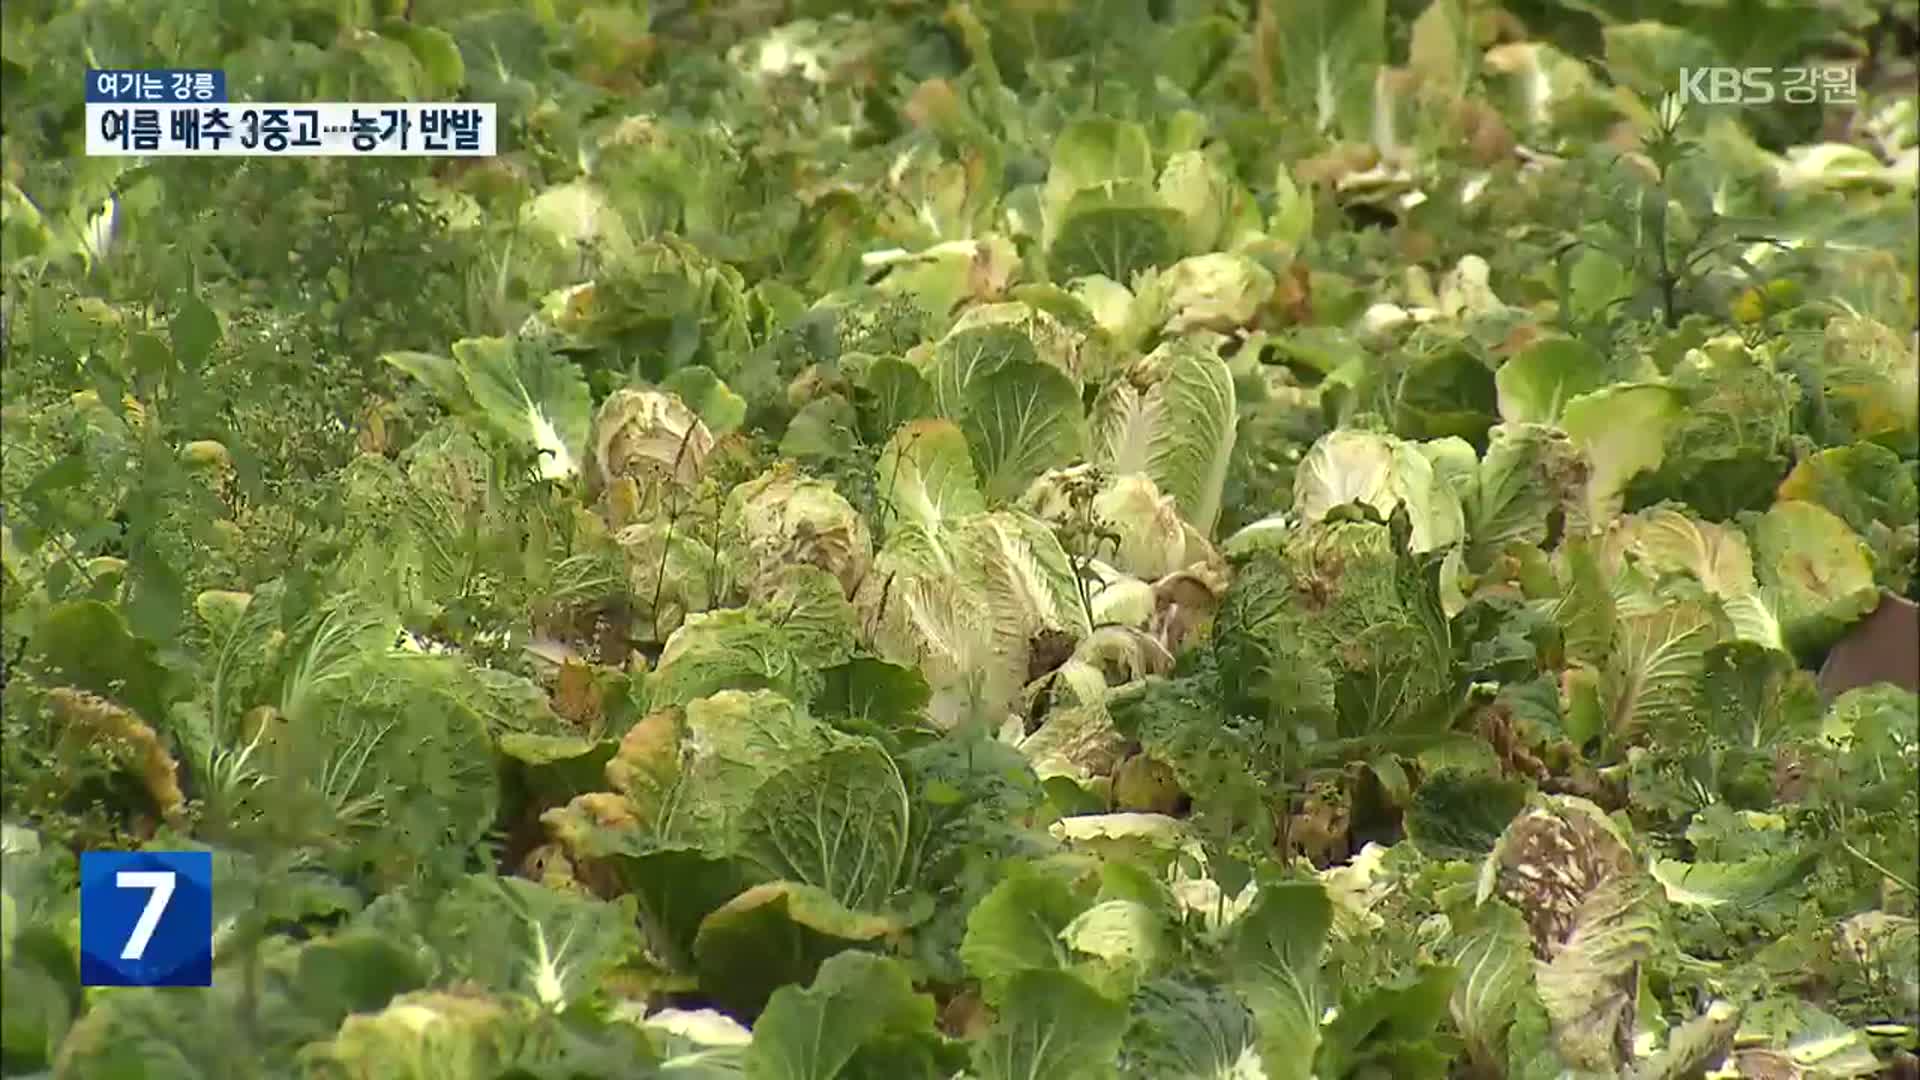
1664,239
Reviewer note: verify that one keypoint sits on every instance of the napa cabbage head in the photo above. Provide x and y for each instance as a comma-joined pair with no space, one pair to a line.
1338,628
649,437
784,518
1137,528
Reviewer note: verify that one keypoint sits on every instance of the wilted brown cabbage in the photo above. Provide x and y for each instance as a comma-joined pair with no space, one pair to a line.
648,436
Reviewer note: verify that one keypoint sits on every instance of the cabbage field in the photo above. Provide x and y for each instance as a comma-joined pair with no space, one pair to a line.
988,539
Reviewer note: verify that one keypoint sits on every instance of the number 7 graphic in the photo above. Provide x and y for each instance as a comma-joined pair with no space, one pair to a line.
146,918
161,882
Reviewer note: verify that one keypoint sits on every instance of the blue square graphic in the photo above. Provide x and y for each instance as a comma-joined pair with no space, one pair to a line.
146,918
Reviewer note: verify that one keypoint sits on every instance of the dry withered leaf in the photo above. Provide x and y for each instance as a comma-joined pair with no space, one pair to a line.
90,721
1551,862
578,695
1587,905
1320,829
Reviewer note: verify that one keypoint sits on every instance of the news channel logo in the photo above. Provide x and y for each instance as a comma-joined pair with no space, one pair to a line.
146,918
1765,85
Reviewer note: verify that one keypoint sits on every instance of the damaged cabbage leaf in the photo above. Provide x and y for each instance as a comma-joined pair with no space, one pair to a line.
576,216
671,575
973,642
927,478
1526,479
1339,631
733,649
1818,572
1869,379
1621,430
785,518
525,393
1876,493
694,774
650,438
1218,291
994,336
1145,535
1172,418
1384,473
1731,444
1655,661
1219,211
1589,910
89,723
1665,541
466,1033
